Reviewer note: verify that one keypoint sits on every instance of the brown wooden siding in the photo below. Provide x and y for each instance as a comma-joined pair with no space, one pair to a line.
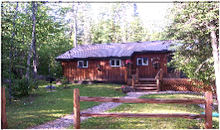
112,74
107,73
149,71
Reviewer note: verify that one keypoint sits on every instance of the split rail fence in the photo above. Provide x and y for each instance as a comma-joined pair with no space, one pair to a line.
207,101
4,123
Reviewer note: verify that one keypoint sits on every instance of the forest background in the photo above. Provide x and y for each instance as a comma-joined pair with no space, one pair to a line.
33,34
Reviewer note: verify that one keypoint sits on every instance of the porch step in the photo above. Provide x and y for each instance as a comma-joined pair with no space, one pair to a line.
147,82
147,79
147,88
145,85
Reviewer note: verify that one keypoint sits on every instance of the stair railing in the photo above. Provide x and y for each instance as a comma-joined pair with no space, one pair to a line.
137,75
159,77
135,78
133,81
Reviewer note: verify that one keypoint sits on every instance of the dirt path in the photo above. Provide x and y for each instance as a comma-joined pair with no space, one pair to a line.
67,120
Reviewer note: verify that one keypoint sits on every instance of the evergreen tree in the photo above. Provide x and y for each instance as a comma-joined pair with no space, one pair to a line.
196,26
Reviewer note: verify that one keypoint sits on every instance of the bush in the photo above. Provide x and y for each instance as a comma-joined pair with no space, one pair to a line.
22,87
126,89
64,80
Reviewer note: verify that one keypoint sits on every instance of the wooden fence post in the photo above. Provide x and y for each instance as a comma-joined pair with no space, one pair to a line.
76,109
208,110
3,109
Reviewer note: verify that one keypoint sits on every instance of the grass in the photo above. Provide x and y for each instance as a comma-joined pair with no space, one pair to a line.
43,106
151,123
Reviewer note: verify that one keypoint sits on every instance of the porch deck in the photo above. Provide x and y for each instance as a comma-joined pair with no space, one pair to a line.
145,84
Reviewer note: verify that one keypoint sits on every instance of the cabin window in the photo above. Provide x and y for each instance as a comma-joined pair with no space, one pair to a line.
139,61
115,63
142,61
82,64
145,61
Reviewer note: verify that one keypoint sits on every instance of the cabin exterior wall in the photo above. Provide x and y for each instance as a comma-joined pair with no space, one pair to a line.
99,70
149,71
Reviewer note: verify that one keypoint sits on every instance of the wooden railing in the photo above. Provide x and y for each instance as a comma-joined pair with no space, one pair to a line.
159,78
137,75
207,101
133,81
135,78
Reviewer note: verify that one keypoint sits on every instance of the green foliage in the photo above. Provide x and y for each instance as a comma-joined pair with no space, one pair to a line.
51,41
64,80
137,31
22,87
114,26
106,32
190,28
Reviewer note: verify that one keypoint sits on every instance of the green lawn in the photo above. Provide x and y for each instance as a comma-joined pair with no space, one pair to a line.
43,106
151,123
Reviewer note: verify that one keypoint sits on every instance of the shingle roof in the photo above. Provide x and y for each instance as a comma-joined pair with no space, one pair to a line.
114,49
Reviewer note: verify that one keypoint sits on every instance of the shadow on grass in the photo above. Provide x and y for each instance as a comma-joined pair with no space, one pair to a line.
44,106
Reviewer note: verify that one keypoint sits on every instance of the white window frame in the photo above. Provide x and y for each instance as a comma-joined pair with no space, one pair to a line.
138,62
110,62
142,61
83,63
144,64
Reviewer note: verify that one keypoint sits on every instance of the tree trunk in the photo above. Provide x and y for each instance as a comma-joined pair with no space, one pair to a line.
28,63
215,54
34,10
33,44
10,54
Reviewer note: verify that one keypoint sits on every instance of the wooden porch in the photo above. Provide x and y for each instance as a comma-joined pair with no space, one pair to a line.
144,84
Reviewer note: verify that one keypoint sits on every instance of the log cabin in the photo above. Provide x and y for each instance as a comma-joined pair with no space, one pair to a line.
116,62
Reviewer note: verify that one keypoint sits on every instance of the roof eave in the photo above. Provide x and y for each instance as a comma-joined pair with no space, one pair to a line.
93,58
123,57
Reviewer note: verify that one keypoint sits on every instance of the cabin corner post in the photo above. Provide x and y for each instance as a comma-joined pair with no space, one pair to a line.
208,110
76,108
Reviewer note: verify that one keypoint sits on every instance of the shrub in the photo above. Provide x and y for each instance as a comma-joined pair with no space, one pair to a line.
126,89
64,81
22,87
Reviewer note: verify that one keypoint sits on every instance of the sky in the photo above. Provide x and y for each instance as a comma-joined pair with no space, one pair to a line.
153,14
